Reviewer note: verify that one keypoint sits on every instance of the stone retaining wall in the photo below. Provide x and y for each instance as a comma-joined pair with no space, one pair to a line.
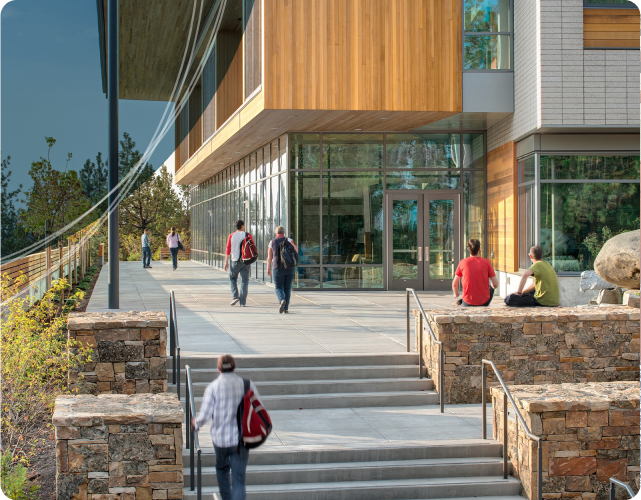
129,352
532,346
118,447
591,434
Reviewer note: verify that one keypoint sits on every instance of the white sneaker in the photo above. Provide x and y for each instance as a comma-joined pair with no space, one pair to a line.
282,307
234,301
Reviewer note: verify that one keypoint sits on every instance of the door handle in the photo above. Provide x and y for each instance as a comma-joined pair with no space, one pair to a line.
420,254
427,254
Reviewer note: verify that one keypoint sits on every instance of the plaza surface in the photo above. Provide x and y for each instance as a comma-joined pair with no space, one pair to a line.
320,322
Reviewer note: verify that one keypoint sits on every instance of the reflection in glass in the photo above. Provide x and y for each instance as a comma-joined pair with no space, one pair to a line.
442,238
404,233
352,277
307,277
487,52
413,179
527,237
473,150
590,167
473,205
353,218
527,169
353,151
487,15
304,151
305,213
422,150
614,3
576,219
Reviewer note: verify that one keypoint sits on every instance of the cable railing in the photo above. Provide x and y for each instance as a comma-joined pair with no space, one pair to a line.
507,396
424,321
191,439
613,488
174,344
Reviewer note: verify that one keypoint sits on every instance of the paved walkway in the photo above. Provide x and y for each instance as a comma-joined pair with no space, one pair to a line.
320,322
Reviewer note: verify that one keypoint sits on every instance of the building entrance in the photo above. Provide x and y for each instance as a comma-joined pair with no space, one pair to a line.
423,239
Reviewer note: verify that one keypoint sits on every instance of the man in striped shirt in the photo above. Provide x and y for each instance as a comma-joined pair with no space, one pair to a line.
220,404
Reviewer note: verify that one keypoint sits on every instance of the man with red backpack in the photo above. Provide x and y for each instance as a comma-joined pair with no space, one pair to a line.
238,422
239,245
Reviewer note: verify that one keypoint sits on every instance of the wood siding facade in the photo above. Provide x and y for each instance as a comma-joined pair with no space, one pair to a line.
611,28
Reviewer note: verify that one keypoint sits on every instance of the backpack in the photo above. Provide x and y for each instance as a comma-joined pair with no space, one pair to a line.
248,251
254,424
287,255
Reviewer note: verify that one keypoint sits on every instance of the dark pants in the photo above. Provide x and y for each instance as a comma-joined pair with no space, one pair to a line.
283,279
146,256
236,268
481,305
234,458
174,256
524,300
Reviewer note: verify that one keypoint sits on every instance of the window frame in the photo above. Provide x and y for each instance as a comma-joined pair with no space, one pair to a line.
486,33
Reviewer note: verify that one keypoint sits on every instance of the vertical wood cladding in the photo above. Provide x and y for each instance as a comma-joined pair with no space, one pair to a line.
402,55
209,101
611,28
229,74
195,120
253,45
184,134
502,206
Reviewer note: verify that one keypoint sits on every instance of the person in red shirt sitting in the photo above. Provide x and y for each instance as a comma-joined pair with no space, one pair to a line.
476,272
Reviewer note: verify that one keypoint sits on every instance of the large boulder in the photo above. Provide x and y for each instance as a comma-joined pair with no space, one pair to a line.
618,261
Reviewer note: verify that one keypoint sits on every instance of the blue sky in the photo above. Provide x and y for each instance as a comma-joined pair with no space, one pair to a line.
51,86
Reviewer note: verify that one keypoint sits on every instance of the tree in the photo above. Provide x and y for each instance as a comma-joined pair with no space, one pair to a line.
13,235
94,179
129,157
55,196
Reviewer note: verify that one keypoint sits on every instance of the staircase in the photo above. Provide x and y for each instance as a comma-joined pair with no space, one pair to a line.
454,469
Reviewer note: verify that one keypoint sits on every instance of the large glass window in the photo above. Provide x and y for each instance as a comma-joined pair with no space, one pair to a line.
487,40
304,150
352,151
305,215
422,151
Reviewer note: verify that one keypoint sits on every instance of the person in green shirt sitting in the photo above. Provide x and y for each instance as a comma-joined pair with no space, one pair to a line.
545,289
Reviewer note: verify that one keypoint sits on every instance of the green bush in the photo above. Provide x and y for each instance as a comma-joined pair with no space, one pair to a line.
14,480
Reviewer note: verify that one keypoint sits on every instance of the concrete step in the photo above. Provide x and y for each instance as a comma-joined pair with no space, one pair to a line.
396,489
296,374
362,471
307,361
325,386
343,400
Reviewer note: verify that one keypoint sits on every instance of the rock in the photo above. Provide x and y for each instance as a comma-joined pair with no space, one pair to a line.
618,261
631,298
610,296
131,447
590,280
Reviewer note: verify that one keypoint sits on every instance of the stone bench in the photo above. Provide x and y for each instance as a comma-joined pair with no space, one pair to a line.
118,447
531,346
591,434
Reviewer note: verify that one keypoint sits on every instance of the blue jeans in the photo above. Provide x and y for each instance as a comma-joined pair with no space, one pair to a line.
482,305
235,458
174,256
236,268
283,279
146,256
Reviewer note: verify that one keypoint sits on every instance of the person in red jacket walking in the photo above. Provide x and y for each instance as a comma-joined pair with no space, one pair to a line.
237,265
476,273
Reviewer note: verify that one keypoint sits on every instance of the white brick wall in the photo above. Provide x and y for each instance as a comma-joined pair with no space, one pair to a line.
557,82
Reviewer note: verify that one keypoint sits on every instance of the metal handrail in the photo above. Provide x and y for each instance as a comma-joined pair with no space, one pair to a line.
614,483
174,344
191,441
508,396
423,320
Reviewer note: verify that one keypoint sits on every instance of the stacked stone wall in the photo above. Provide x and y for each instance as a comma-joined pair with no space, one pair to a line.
532,346
591,434
129,352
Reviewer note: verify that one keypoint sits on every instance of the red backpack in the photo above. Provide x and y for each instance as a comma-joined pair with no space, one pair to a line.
248,251
254,424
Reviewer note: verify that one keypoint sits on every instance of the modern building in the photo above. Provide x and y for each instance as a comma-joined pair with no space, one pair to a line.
383,134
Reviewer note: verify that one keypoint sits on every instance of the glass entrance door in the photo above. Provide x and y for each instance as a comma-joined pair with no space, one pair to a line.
423,239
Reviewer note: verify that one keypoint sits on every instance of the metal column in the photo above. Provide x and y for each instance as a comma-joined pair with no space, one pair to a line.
112,96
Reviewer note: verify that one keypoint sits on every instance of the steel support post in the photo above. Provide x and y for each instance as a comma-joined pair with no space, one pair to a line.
112,96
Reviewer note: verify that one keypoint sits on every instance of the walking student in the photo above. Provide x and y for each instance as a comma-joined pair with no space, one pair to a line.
545,289
174,243
476,273
220,403
237,266
146,249
283,273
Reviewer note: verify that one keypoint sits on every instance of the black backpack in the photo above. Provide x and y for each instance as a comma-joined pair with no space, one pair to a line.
287,255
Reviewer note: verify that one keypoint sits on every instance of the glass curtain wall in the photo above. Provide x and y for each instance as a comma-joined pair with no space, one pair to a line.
337,187
253,189
583,201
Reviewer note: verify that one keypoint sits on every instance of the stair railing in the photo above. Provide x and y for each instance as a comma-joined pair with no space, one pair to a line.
613,487
191,438
424,321
507,396
174,344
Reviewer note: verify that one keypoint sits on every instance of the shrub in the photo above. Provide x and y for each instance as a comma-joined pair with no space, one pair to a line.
14,480
36,357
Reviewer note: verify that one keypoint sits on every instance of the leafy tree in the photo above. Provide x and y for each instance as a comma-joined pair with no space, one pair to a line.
55,196
13,235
